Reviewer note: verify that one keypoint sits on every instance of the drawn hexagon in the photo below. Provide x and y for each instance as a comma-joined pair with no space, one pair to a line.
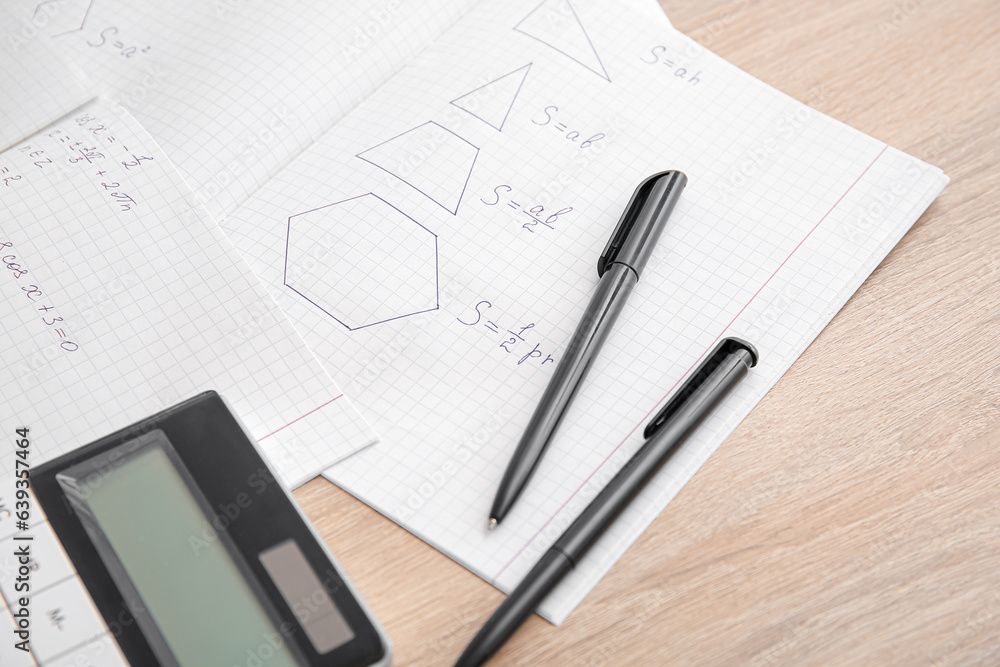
362,261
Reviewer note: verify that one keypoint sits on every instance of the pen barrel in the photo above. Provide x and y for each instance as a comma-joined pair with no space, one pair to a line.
612,292
512,613
692,403
653,454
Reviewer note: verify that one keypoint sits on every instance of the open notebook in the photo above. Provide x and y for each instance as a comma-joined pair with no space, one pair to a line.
146,316
426,192
121,298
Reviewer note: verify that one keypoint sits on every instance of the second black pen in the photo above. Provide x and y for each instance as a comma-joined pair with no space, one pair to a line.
721,371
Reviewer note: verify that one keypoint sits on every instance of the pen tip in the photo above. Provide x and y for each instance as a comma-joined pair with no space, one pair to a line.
493,524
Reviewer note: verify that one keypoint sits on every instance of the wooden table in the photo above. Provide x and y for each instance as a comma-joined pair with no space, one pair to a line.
854,517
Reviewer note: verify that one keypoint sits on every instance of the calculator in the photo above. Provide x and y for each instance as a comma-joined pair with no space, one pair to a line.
171,543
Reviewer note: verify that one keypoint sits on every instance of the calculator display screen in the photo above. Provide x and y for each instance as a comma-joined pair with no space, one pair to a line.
184,575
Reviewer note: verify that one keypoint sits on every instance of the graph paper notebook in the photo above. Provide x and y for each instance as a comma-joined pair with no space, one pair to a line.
120,298
233,90
439,244
438,182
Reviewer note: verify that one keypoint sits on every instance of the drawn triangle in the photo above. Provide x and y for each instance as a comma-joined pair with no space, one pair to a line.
492,102
555,24
429,158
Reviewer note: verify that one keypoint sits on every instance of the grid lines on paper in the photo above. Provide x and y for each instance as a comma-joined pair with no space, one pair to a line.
450,403
233,91
188,315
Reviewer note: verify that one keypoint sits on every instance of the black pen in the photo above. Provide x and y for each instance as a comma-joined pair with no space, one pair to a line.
722,370
619,268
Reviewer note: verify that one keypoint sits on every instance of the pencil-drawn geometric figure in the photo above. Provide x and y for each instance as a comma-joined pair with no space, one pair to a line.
492,102
555,24
62,16
362,261
430,159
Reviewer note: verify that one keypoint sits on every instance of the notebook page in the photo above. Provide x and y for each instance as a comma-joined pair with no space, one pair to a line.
440,244
37,84
233,89
120,299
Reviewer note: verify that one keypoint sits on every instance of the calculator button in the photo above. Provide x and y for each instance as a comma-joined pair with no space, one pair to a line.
63,618
7,519
99,652
48,563
8,654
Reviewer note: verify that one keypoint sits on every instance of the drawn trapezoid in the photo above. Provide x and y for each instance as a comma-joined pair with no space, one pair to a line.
555,24
492,102
362,261
429,158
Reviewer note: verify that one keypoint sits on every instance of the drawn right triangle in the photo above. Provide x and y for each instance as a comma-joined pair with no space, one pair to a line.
555,23
492,102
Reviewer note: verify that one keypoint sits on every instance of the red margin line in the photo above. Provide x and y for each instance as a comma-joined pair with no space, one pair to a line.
300,418
696,361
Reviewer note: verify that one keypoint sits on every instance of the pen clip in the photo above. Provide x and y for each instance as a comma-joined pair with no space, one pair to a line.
664,188
696,379
622,230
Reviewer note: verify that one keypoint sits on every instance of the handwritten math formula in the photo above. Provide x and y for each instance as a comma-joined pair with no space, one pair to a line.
81,149
659,55
106,39
89,145
537,214
14,265
513,340
583,139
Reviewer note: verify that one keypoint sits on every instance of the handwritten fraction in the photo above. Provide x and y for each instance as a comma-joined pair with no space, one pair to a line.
510,338
504,197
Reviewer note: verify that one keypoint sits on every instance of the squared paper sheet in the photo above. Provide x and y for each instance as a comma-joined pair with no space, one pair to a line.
121,298
234,89
38,84
474,192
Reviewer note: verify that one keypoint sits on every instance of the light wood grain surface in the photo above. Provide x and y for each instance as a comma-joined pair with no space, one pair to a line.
854,517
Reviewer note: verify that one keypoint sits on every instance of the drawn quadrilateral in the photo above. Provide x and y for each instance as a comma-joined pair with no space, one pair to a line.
362,261
491,103
555,24
429,158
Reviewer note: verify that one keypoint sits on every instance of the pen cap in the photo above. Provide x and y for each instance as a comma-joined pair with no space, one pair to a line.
642,222
727,348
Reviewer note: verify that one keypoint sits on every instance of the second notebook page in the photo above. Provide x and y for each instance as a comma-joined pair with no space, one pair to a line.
438,247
